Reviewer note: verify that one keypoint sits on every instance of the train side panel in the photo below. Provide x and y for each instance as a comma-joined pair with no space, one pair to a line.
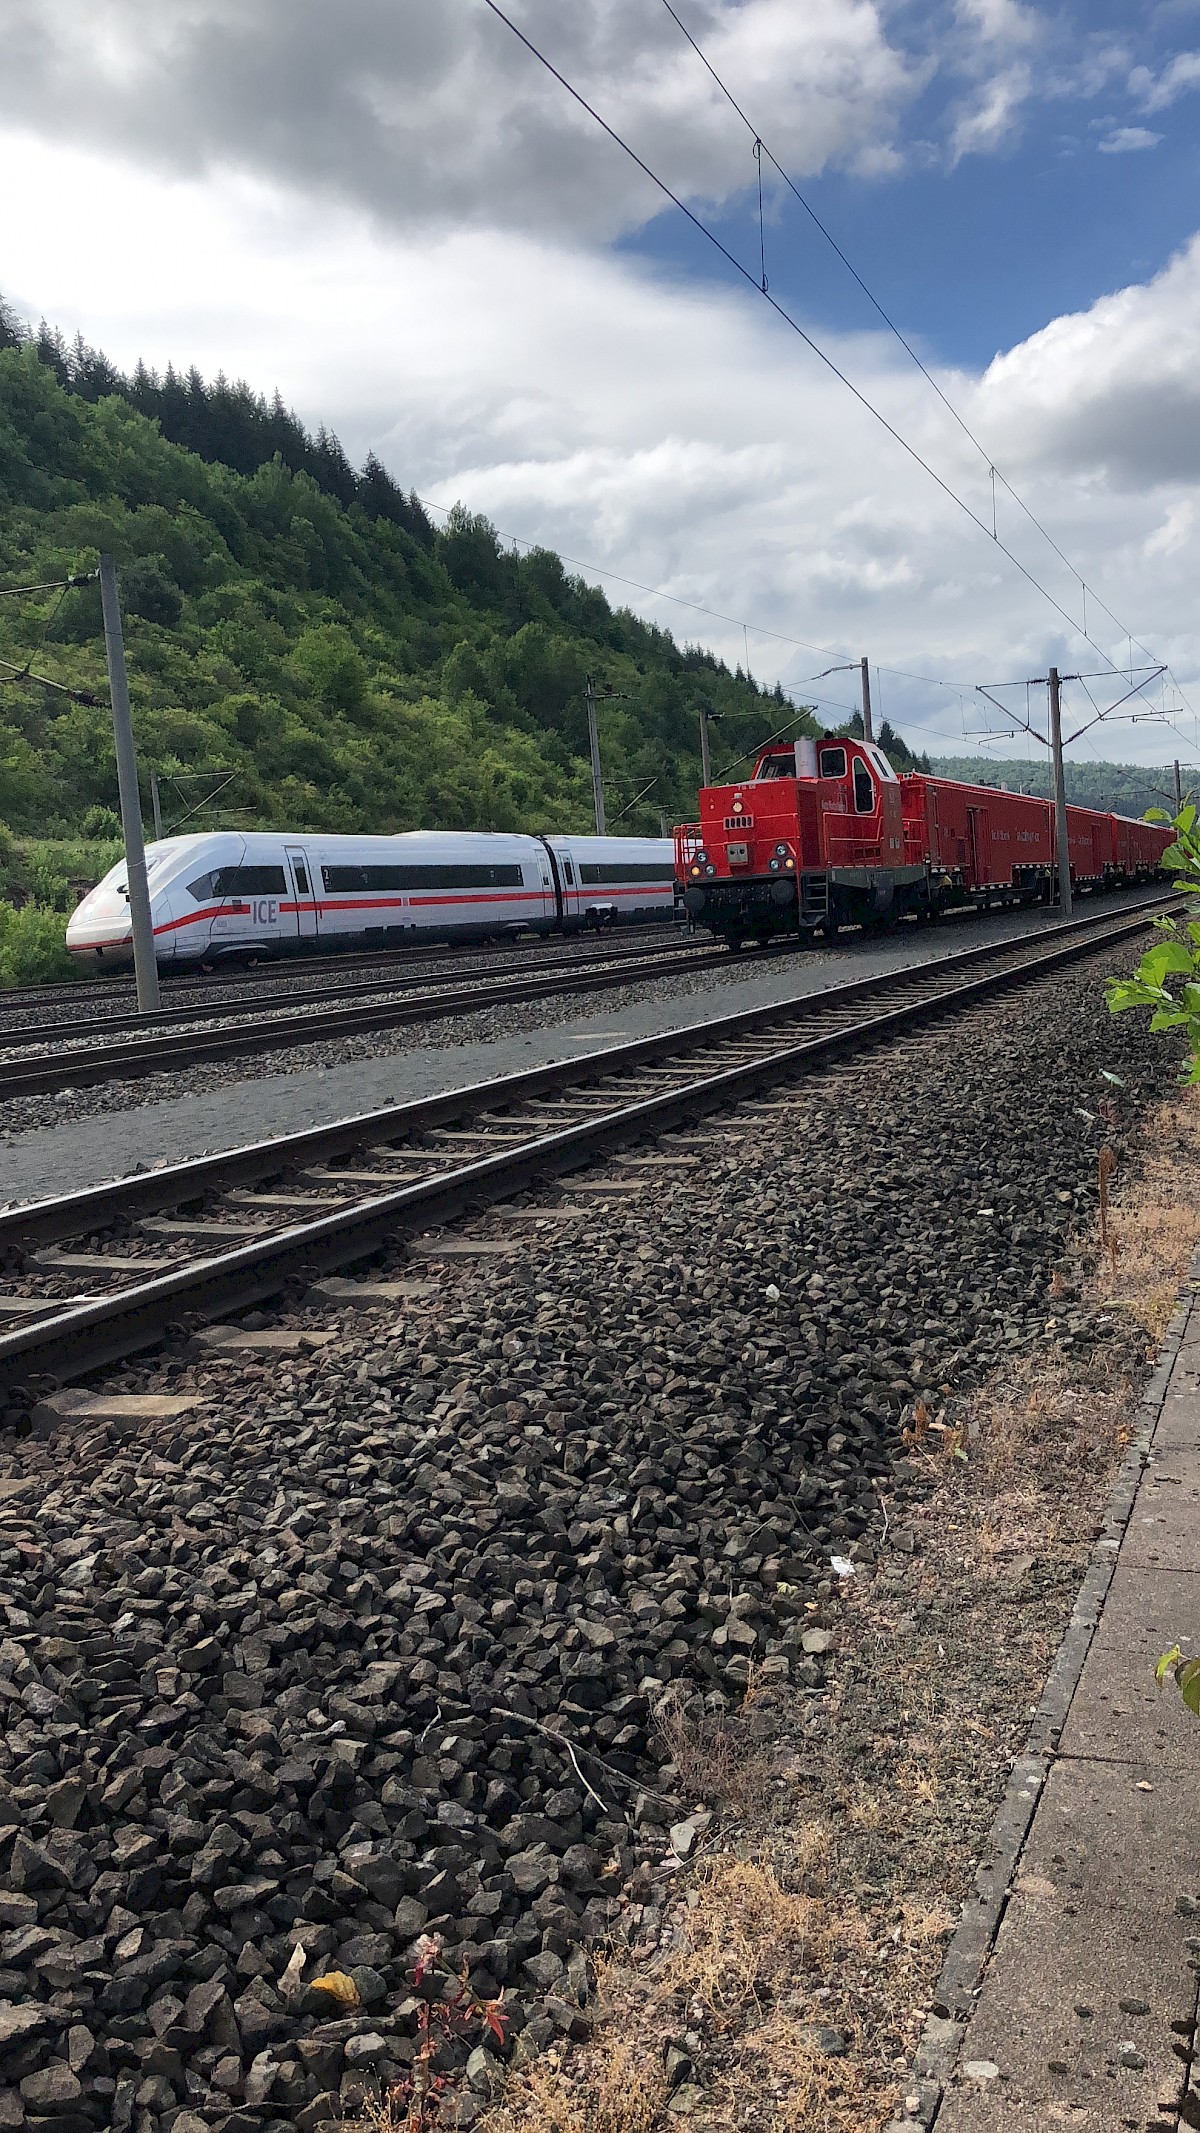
981,838
226,896
606,881
391,890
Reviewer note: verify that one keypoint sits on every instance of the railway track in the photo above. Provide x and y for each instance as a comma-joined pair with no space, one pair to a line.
319,1016
199,1240
66,1008
276,971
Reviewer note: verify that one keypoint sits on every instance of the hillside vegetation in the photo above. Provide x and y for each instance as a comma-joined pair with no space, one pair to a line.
306,628
1116,788
307,650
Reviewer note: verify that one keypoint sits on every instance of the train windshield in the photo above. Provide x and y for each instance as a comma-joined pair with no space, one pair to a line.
776,766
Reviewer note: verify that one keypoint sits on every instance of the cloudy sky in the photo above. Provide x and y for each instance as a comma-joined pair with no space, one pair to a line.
390,210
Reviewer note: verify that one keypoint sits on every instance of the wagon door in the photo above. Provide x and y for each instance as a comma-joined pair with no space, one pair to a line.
304,894
836,823
980,834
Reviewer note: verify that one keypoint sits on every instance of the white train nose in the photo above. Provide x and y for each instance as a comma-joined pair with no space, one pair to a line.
100,938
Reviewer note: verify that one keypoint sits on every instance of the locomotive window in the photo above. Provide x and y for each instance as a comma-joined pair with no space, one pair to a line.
568,873
249,881
833,762
864,789
596,875
777,766
301,874
362,880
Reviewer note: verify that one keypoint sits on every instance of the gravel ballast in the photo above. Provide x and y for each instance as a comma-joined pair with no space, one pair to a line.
378,1641
79,1137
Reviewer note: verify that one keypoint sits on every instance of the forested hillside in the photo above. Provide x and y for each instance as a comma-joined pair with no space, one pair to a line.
306,628
1119,788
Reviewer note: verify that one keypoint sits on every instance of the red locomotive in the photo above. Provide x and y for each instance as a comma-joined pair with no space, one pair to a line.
824,833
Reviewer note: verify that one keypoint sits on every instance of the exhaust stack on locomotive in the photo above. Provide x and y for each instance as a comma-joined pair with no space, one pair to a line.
824,834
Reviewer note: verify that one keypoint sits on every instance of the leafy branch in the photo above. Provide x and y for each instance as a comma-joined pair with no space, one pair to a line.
1176,955
1185,1673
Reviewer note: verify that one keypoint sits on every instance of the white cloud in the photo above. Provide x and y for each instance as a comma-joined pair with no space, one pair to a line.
1110,396
999,22
1154,93
992,119
1126,140
1176,530
673,433
436,116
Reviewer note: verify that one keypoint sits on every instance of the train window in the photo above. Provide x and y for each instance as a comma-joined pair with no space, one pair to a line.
568,873
363,880
864,788
301,874
247,881
833,762
776,766
596,875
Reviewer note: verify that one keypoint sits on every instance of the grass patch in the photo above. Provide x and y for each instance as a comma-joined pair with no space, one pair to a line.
851,1822
41,880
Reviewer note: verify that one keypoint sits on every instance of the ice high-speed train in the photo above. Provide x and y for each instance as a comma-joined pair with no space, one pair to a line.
228,897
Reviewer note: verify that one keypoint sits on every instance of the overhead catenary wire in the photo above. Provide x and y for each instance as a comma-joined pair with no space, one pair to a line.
783,313
744,272
43,681
994,472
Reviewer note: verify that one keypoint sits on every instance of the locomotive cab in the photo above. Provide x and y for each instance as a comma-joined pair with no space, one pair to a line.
812,839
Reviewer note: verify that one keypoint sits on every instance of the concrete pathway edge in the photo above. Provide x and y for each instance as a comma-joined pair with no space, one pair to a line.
966,1960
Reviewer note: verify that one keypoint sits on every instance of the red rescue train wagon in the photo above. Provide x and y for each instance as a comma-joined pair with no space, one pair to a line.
824,833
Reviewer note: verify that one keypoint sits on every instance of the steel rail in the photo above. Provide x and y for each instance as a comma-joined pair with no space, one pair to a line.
84,1337
272,968
67,1030
178,1184
42,1073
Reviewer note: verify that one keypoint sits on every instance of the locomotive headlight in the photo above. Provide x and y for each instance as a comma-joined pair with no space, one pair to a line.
774,865
781,851
790,863
709,867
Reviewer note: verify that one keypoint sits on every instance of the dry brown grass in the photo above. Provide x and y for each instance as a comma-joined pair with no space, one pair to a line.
744,1933
714,1756
1155,1222
617,2088
784,1931
748,1972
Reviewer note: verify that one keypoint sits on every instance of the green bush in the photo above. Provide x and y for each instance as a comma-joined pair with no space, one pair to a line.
33,949
1167,980
101,822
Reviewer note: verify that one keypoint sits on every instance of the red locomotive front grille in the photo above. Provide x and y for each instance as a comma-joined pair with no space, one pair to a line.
739,822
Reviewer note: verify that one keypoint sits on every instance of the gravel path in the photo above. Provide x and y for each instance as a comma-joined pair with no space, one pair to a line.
79,1137
300,1667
